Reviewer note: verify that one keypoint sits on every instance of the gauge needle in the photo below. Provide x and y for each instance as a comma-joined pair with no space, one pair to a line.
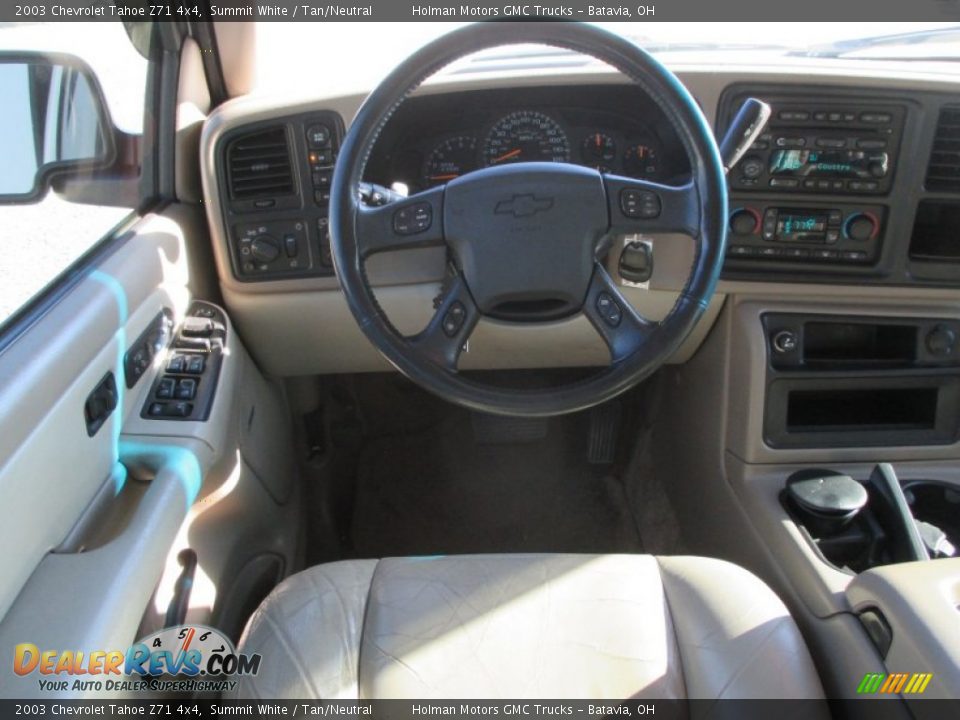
444,177
506,156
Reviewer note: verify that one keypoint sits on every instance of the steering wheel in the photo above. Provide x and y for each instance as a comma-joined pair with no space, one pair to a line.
530,234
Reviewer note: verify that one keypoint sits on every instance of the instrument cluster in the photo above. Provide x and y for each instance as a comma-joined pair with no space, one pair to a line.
446,142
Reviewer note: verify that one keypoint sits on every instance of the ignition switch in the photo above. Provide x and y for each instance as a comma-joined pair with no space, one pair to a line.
636,262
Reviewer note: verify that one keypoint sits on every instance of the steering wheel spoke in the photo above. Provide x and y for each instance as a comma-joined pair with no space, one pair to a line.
622,328
413,222
451,326
640,206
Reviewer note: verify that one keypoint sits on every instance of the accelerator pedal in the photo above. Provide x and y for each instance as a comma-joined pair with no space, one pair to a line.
604,430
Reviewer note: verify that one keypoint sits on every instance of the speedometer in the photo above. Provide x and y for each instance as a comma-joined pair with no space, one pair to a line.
525,136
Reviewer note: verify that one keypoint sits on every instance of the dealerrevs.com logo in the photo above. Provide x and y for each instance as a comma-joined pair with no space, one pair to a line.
186,657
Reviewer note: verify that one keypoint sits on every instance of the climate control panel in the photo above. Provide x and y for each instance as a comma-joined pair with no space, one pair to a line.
847,234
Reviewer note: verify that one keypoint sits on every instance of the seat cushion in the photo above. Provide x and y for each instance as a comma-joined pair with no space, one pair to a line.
527,626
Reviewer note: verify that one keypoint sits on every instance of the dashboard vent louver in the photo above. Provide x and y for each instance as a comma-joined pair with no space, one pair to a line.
258,165
943,172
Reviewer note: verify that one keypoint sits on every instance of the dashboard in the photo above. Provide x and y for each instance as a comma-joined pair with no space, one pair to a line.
853,191
619,130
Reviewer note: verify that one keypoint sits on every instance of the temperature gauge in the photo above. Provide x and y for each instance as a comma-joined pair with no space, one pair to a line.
641,161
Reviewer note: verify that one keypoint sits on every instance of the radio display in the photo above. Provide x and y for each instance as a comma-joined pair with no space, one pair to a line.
828,163
801,227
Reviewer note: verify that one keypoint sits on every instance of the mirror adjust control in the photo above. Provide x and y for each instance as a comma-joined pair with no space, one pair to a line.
198,344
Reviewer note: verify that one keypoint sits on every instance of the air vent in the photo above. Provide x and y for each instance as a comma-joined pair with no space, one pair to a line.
259,165
943,173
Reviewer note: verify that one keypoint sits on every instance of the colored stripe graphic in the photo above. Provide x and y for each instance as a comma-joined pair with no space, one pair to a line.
894,684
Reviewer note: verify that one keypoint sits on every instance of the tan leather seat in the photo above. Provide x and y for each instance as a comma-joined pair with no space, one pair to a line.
527,626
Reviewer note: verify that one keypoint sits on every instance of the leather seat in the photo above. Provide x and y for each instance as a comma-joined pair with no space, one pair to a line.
527,626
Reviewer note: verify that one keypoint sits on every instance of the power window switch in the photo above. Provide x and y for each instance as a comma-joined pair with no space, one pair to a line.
186,389
195,365
165,388
156,409
176,364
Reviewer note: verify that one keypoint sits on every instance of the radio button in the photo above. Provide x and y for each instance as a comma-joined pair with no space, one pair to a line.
820,115
794,115
752,167
791,142
740,251
854,255
875,117
831,142
796,253
769,252
824,254
834,217
871,144
784,182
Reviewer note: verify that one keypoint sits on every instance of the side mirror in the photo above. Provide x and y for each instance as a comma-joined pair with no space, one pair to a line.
54,121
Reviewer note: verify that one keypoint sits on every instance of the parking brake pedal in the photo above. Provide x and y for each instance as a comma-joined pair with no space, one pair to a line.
604,429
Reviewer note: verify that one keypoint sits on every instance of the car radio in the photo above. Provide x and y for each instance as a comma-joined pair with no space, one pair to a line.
800,233
823,147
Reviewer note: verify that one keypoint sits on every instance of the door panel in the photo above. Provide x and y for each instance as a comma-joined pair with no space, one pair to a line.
91,525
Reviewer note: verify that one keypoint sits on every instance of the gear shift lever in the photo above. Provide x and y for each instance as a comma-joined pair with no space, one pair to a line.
884,479
746,127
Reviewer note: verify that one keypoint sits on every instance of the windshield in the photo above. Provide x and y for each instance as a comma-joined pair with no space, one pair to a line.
351,53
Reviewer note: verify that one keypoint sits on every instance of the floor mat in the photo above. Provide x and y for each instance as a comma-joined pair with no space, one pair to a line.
440,491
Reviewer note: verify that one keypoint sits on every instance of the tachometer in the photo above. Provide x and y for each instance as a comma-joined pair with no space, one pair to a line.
526,136
450,159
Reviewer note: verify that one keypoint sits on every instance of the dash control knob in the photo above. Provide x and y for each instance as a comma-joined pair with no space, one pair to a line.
744,222
264,249
860,226
941,341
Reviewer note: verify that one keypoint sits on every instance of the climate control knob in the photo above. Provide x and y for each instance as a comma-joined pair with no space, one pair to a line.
744,221
861,226
264,249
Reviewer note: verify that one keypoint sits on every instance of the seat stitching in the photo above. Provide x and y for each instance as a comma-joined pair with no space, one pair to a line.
363,625
673,628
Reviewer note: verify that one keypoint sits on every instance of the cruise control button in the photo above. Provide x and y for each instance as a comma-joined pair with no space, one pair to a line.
454,318
640,204
413,219
608,309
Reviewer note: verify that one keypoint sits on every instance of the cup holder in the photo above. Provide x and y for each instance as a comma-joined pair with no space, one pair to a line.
856,525
937,504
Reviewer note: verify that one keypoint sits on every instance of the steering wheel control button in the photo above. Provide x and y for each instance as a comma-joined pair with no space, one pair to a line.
785,341
640,204
454,318
608,309
318,136
413,219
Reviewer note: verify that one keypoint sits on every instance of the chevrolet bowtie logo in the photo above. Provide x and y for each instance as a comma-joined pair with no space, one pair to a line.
523,206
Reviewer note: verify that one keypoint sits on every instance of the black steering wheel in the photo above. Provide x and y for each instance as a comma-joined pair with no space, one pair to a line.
530,234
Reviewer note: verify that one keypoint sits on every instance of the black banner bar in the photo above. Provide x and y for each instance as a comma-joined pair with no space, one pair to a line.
452,11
